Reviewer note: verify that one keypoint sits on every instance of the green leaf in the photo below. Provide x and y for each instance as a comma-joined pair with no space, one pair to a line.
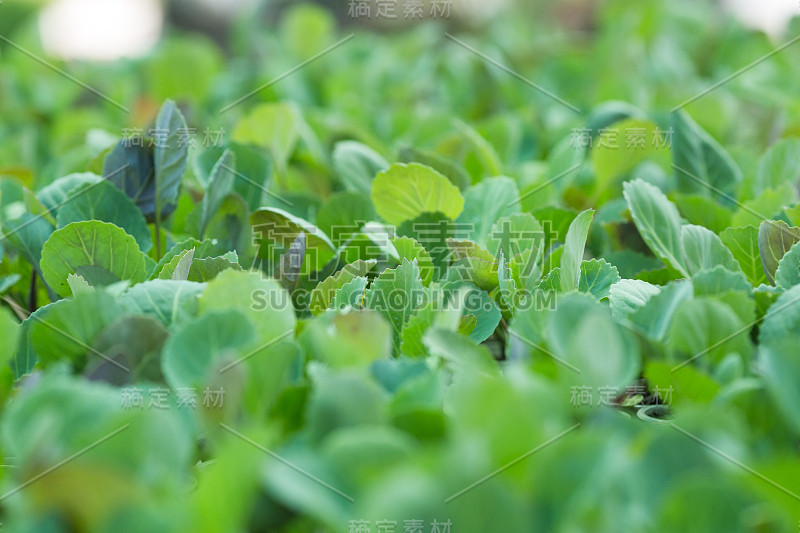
597,277
171,302
514,235
59,191
28,234
710,329
275,226
136,343
208,268
178,267
778,166
356,165
628,295
487,202
764,207
100,252
263,300
459,352
201,345
275,126
395,294
104,202
9,334
658,222
344,214
351,294
170,155
775,238
404,192
783,317
220,184
655,316
205,248
253,170
574,245
77,284
703,211
788,273
719,280
67,330
687,385
695,152
612,162
703,250
583,334
470,262
780,368
324,293
353,339
408,248
743,244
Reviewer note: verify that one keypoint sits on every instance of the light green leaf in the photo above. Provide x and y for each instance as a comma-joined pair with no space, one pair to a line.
783,317
263,300
275,126
100,252
597,277
703,250
628,295
695,152
764,207
788,273
743,244
220,184
410,249
516,234
344,214
275,226
487,202
599,352
775,238
353,339
778,166
703,211
613,161
178,267
66,331
404,192
574,245
208,268
780,368
351,294
56,193
687,385
169,301
356,165
201,345
28,234
710,329
324,293
658,222
205,248
655,316
395,294
77,284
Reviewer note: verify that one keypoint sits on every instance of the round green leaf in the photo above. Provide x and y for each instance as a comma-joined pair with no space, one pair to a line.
404,192
100,252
